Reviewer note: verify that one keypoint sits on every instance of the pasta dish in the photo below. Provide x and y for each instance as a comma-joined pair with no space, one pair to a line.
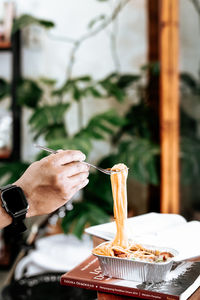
120,246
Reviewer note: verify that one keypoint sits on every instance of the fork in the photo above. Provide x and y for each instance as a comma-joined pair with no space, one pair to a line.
105,171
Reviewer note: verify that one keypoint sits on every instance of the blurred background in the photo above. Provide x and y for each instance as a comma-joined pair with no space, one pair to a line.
85,75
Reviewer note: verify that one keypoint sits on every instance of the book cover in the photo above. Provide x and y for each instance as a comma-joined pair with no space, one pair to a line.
183,280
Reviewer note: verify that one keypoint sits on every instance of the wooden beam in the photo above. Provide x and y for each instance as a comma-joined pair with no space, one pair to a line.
169,105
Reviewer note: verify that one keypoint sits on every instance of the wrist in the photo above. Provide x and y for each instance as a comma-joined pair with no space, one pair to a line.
4,216
23,186
20,184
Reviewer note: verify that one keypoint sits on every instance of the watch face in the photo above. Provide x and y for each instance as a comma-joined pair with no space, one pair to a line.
14,199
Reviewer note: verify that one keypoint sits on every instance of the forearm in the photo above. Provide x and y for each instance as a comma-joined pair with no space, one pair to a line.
47,185
5,219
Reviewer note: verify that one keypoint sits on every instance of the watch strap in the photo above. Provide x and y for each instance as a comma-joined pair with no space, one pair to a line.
5,187
16,228
19,218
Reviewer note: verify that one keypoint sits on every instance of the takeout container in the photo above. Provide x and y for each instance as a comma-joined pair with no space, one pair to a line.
137,270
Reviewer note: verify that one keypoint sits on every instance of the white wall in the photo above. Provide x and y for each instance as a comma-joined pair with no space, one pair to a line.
189,38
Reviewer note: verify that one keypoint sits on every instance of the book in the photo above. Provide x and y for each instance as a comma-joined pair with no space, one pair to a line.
157,229
182,281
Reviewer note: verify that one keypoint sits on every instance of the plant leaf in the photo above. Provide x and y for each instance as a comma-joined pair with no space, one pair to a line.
4,88
190,159
101,124
71,216
80,224
44,117
102,196
142,157
83,78
96,20
82,143
189,80
48,81
126,80
11,171
76,93
93,91
55,131
27,20
66,87
84,213
153,67
29,93
112,89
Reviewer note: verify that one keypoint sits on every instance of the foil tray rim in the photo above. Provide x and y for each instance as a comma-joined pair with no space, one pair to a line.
171,250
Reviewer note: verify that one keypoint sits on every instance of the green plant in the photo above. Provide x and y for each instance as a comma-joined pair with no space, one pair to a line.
4,88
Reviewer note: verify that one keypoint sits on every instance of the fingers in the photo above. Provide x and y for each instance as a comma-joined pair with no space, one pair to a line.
72,169
67,156
78,179
76,188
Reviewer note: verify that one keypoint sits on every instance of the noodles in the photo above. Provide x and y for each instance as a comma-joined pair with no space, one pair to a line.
118,181
133,252
120,246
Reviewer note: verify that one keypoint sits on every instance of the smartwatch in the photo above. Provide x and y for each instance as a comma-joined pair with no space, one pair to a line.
15,204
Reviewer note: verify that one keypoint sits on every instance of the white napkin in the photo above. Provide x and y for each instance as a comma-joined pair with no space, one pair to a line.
57,253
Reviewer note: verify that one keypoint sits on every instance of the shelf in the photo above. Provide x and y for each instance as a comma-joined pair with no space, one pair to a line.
14,48
5,153
4,45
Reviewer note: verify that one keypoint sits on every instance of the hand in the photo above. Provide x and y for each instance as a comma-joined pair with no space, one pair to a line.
52,181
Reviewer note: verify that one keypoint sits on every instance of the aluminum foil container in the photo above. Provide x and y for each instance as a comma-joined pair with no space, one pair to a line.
136,270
